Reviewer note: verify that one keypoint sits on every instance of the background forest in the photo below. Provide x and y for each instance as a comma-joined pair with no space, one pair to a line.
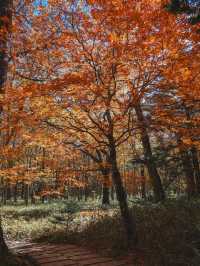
100,126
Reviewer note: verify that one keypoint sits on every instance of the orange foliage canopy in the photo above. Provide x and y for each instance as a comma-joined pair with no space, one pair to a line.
81,67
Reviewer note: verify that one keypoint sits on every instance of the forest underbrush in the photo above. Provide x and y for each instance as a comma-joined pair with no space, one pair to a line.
168,233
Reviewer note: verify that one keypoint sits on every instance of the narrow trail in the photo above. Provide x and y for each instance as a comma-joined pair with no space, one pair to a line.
64,255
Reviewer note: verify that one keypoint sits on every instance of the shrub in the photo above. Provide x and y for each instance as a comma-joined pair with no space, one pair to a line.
67,214
71,207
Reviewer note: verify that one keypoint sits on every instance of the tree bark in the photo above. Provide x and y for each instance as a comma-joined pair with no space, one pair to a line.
187,164
3,245
196,168
8,193
112,193
106,193
5,194
192,152
159,193
26,194
5,11
105,188
15,192
189,174
32,194
143,184
128,219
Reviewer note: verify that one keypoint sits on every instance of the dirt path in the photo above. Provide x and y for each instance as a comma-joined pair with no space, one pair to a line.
64,255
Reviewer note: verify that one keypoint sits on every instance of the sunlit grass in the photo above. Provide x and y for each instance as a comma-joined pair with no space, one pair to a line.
34,221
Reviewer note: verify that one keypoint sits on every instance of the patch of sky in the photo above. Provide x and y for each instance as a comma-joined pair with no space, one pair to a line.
194,2
37,4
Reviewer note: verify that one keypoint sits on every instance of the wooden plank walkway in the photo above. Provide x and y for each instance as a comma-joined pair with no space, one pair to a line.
65,255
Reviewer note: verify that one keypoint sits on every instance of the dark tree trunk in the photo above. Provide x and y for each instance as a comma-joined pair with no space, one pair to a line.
128,219
106,193
159,193
22,190
8,193
5,194
15,193
32,194
143,184
3,246
187,165
86,193
196,167
193,162
189,174
105,188
26,196
112,193
5,11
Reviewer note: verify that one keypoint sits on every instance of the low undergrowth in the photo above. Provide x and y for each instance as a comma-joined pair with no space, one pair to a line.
169,234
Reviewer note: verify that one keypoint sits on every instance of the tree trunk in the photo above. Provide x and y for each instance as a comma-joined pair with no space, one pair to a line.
22,189
196,167
143,184
187,164
112,193
8,193
106,193
3,246
26,195
32,194
189,174
5,11
5,194
105,188
86,193
15,193
159,193
128,219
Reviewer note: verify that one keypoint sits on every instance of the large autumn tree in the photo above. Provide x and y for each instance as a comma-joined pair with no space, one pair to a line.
116,56
125,46
97,64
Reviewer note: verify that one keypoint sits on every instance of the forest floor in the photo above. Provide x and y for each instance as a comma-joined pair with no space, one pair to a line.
169,233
